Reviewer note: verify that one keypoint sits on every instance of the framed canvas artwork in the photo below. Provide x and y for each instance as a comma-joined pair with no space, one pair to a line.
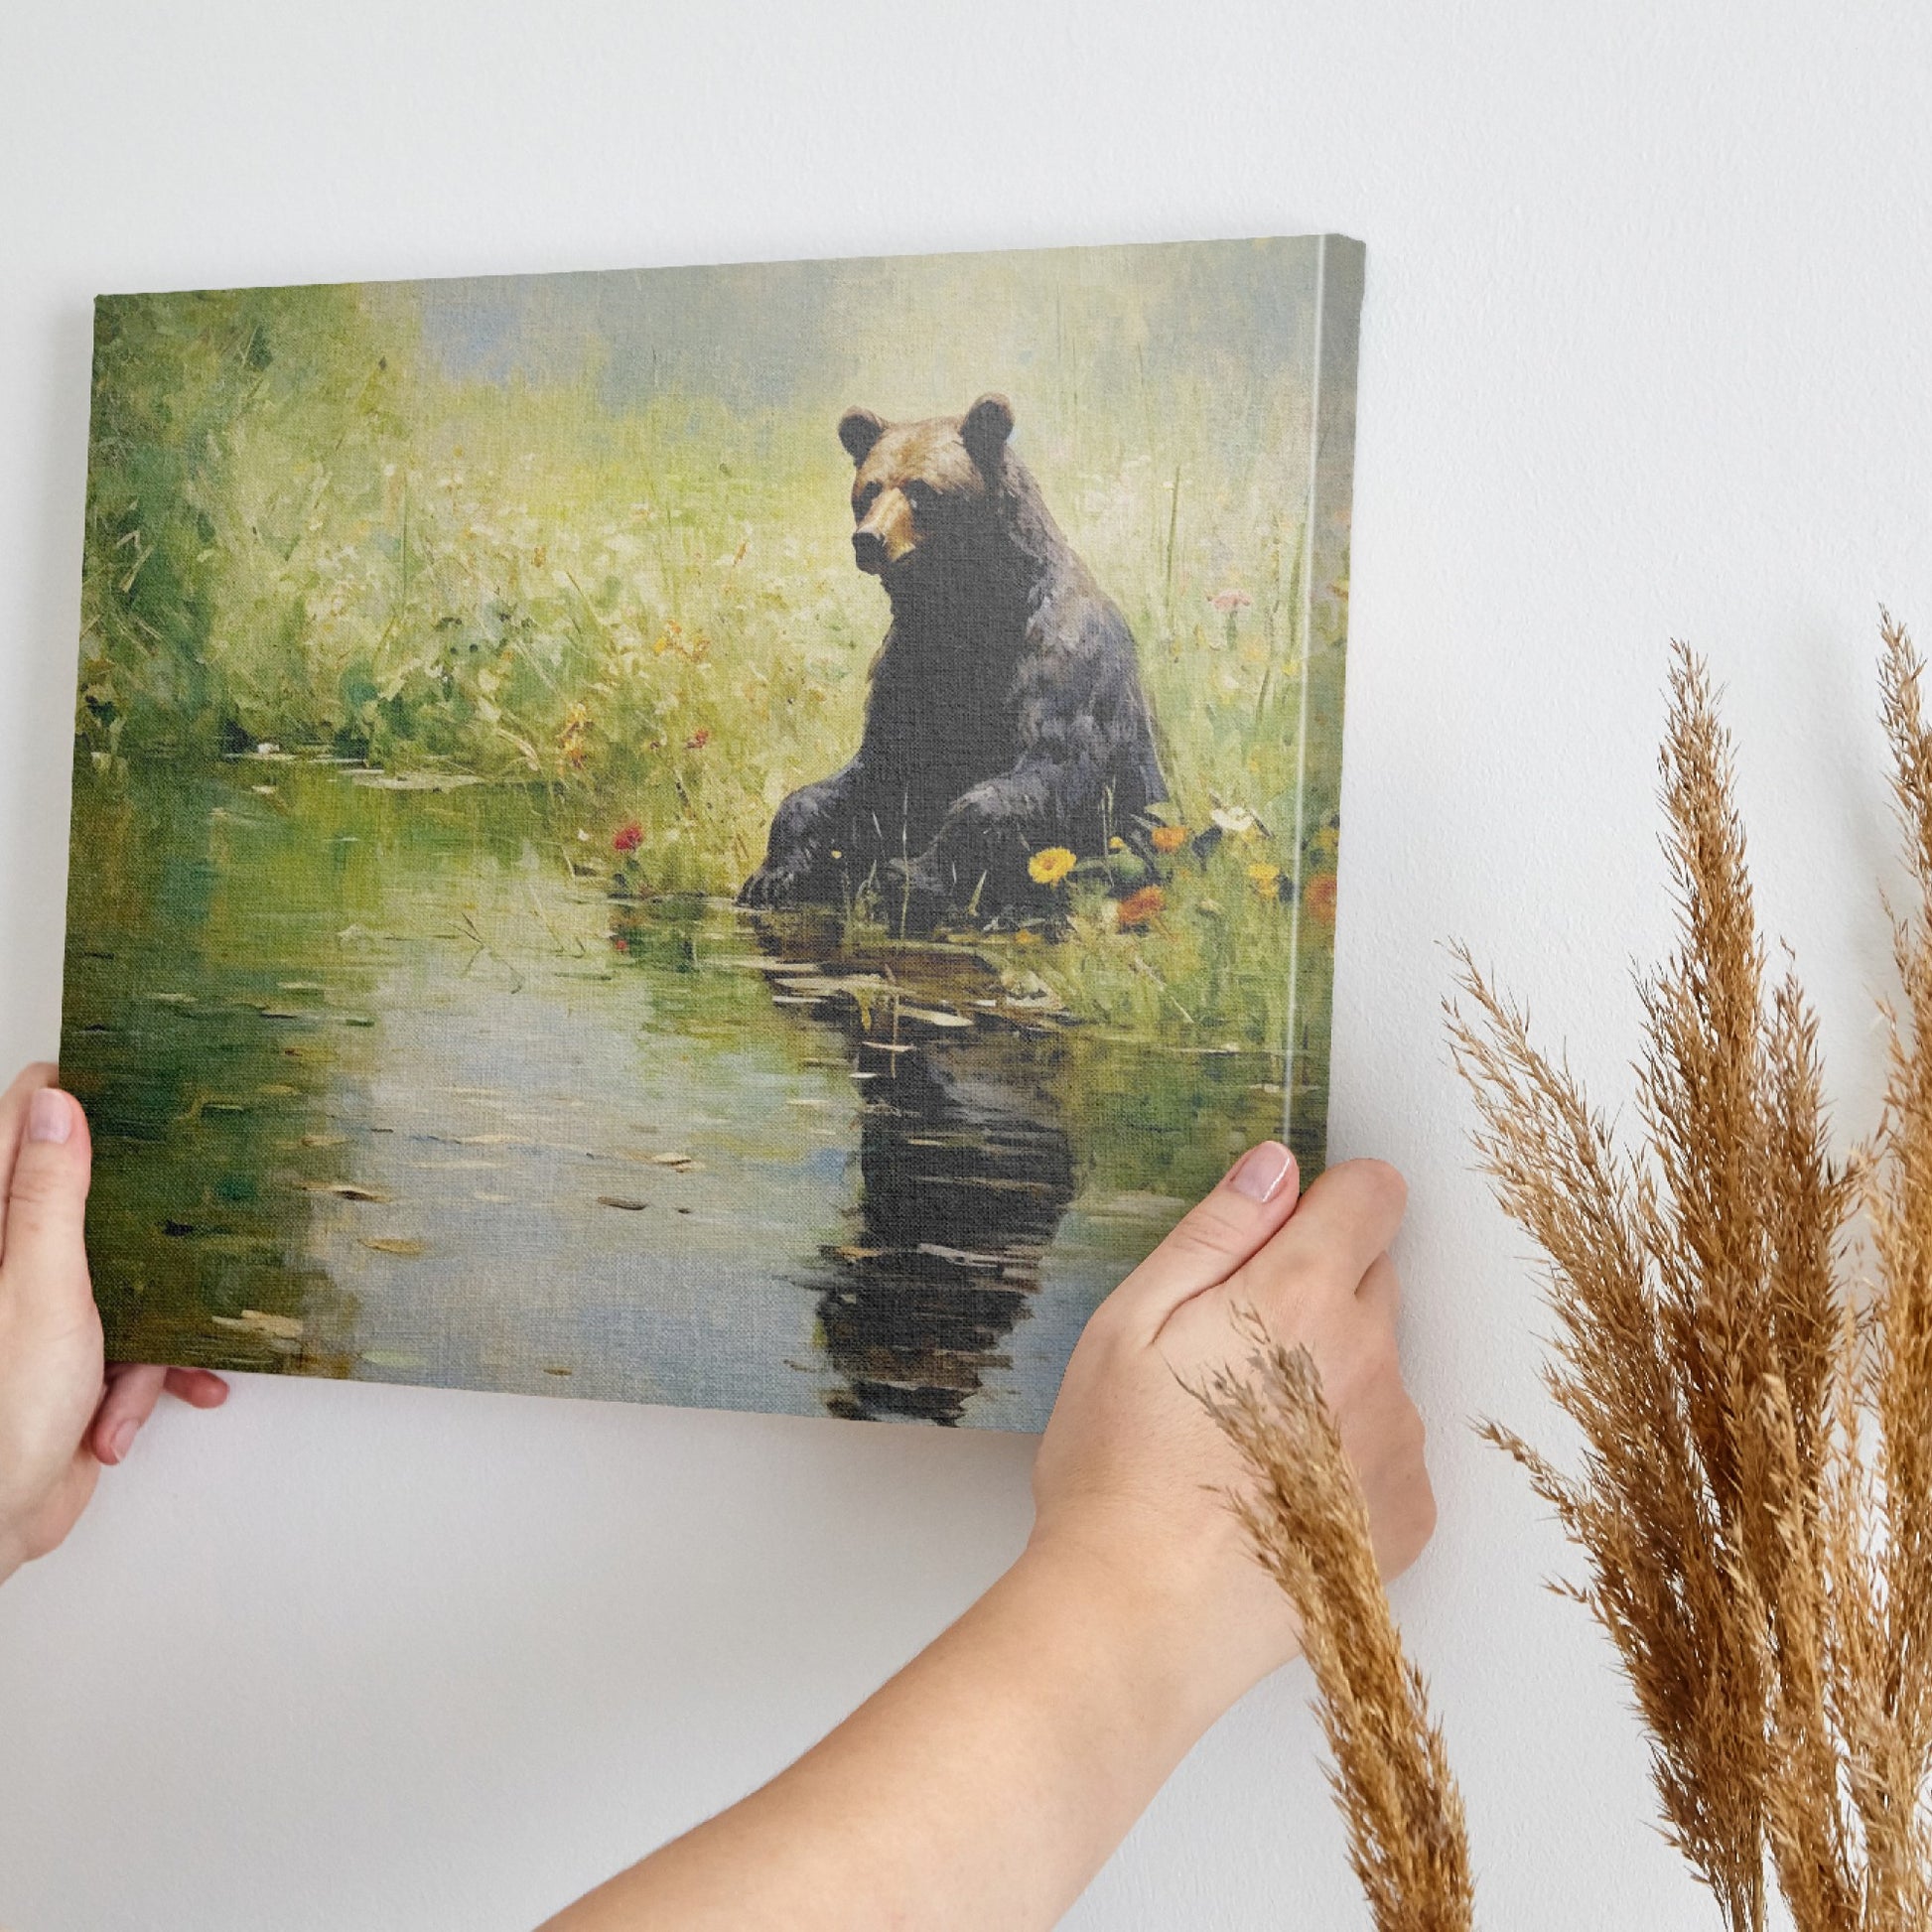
744,836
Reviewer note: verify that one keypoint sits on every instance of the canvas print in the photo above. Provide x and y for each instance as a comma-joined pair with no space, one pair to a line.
746,836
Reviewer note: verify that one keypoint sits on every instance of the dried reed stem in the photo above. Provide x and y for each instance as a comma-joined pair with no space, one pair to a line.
1309,1523
1754,1498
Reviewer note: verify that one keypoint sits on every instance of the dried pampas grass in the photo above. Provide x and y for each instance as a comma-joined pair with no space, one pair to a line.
1753,1390
1755,1499
1308,1524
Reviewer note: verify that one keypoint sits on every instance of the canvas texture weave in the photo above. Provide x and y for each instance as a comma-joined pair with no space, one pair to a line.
741,836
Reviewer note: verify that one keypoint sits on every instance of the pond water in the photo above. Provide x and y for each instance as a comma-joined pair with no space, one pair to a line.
386,1083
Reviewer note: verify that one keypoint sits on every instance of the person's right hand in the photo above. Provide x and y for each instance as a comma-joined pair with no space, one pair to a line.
987,1781
64,1414
1131,1477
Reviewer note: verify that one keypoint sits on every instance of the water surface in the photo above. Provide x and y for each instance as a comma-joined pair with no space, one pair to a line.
387,1083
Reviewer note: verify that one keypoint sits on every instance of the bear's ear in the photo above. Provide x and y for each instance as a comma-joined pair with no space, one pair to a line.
859,430
984,430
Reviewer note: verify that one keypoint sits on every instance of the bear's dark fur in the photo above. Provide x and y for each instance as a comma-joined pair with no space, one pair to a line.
1006,714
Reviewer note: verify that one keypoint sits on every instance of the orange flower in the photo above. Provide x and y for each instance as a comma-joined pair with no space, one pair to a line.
1319,895
1168,838
1142,907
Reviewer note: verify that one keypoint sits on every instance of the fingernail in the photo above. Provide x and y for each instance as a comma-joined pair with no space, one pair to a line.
1260,1172
50,1115
122,1438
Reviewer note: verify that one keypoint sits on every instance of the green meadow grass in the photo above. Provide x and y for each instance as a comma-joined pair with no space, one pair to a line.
303,533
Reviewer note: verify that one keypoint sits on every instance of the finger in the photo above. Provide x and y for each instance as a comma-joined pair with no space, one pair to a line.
132,1392
1245,1209
13,1126
1347,1217
1380,1292
43,1267
199,1388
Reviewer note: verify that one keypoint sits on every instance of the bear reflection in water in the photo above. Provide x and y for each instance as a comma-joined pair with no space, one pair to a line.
963,1177
964,1167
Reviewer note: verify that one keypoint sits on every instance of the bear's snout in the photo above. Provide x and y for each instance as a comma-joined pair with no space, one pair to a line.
886,532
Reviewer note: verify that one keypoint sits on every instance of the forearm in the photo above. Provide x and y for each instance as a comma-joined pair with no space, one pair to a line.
984,1785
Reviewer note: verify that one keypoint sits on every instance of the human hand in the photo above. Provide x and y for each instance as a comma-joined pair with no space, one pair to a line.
62,1413
1130,1478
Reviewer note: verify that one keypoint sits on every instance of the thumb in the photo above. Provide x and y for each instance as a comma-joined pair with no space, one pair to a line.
1235,1221
44,1263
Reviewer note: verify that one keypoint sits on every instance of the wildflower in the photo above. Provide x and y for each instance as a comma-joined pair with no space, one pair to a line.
629,836
1142,907
1266,880
1237,821
698,739
1319,895
1116,845
1025,936
1168,838
1230,600
1050,867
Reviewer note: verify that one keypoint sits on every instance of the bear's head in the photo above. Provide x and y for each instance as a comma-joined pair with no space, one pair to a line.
921,491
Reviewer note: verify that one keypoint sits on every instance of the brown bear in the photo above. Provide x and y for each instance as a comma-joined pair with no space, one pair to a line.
1004,713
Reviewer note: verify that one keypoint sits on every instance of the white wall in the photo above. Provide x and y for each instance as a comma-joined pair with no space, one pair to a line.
1643,354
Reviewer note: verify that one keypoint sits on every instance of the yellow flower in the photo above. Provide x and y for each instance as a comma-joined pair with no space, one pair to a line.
1116,845
1050,867
1266,880
1025,936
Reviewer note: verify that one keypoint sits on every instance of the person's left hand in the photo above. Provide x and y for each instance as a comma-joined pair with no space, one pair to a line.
63,1412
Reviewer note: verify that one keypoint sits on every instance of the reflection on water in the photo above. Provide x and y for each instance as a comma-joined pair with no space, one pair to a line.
385,1085
964,1176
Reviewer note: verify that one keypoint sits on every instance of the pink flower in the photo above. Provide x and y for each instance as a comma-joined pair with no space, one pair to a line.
1229,601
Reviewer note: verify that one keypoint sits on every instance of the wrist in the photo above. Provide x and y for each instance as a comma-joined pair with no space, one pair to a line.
1168,1644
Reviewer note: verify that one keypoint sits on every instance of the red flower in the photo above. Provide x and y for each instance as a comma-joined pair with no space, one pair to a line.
631,836
698,739
622,943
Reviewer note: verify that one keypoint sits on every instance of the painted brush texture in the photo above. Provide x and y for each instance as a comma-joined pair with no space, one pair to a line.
448,650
